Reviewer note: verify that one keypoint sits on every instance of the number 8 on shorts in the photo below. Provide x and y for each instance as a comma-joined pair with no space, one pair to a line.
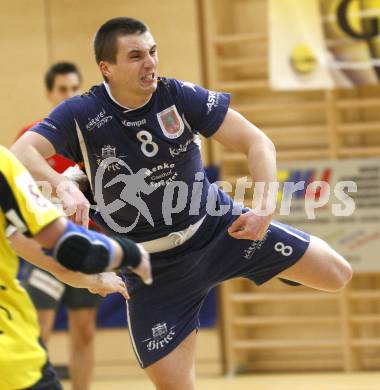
285,250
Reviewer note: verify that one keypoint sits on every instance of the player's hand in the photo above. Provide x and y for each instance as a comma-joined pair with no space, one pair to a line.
250,226
108,283
76,175
144,269
75,204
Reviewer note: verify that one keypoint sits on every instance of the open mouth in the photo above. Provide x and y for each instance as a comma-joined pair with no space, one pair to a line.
149,77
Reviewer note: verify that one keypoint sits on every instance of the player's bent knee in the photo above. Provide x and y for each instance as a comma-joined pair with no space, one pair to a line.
343,275
339,272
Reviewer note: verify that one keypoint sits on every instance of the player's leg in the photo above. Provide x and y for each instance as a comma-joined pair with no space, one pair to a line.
285,252
82,308
175,371
163,317
46,319
294,255
82,338
321,267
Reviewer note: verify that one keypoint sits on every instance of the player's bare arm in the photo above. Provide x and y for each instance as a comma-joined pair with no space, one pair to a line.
32,150
238,133
103,284
94,252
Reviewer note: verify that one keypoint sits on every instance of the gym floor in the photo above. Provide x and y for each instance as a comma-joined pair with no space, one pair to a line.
360,381
116,368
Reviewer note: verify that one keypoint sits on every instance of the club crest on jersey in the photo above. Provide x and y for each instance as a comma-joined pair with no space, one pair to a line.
170,122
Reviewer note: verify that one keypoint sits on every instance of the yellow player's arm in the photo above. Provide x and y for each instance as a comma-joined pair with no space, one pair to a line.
25,208
103,284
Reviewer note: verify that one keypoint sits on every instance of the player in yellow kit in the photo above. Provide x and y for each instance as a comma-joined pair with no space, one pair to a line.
23,361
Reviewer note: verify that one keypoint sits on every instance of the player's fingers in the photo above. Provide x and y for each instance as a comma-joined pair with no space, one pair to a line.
260,235
124,293
85,218
237,225
120,281
144,270
78,216
240,235
122,286
83,211
122,289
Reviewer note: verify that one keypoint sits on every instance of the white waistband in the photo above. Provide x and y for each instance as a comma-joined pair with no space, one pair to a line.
172,240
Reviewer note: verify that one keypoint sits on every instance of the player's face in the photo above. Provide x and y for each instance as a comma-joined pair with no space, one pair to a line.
136,64
65,86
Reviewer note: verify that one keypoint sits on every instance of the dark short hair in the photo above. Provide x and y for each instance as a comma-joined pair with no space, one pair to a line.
60,68
105,41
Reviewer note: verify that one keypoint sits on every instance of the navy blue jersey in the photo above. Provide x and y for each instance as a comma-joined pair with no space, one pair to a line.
150,148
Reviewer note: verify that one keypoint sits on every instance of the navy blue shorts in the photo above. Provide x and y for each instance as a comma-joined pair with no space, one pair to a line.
49,380
47,292
162,315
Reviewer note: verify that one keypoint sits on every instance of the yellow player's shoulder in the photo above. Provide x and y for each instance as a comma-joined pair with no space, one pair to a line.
9,163
19,192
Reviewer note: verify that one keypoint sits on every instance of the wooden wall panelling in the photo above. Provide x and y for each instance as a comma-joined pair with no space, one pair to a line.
73,25
22,65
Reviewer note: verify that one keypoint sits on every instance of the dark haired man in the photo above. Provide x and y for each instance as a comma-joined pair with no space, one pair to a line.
63,81
196,240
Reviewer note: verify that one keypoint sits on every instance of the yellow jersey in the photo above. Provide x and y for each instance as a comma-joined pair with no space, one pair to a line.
22,206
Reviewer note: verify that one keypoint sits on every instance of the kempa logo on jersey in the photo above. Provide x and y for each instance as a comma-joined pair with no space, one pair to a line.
161,337
134,124
98,121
